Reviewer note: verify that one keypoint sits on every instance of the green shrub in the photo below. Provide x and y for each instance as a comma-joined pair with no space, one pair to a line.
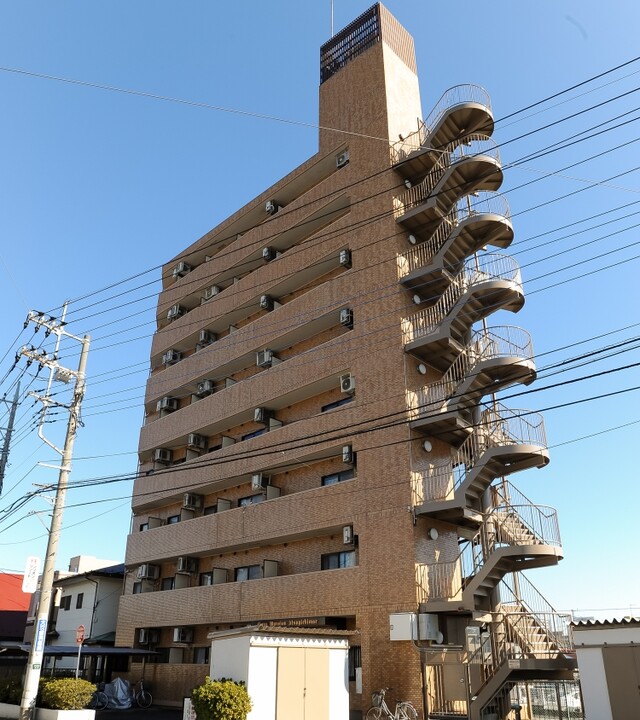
11,691
67,693
221,699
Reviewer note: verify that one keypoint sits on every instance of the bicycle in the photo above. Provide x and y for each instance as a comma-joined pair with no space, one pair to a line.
404,709
99,699
141,695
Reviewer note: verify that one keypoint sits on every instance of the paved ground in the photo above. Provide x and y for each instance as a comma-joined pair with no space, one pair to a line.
155,712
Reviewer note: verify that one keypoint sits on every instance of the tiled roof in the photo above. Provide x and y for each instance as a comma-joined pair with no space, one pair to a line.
11,595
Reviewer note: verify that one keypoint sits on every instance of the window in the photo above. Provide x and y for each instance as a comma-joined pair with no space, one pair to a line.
210,510
65,603
201,655
338,477
355,660
337,403
334,561
206,578
255,433
161,656
172,519
167,583
251,500
79,600
137,588
249,572
144,526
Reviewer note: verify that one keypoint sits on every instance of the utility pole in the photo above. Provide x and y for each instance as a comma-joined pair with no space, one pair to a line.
4,457
57,372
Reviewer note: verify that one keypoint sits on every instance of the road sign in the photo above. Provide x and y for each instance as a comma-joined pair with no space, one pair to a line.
30,579
80,634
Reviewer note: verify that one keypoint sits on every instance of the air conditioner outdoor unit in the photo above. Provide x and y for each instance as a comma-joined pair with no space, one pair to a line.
342,159
271,207
181,269
347,454
196,441
347,535
211,291
187,565
266,302
171,357
205,387
175,311
168,403
259,481
206,337
345,258
162,455
192,501
346,317
148,572
182,635
148,635
262,415
264,358
348,383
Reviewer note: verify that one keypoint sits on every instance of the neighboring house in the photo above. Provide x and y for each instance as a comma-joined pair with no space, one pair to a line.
14,606
321,446
608,654
89,599
95,579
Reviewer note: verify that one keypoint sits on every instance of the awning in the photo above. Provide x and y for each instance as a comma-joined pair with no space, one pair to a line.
72,650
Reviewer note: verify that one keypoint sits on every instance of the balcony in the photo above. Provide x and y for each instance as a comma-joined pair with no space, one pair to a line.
496,358
515,535
471,225
485,284
504,441
461,110
460,170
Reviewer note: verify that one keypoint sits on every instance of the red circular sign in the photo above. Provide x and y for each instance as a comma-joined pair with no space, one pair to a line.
80,634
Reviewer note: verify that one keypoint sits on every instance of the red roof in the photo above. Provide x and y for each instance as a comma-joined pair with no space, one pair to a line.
11,595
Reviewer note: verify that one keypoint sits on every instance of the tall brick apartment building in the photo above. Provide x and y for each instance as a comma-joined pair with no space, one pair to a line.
322,448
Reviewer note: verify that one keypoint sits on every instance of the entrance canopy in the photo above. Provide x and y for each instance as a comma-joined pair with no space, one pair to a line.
72,650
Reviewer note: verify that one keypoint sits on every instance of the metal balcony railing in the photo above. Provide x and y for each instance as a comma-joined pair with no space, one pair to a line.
476,270
505,526
469,206
498,426
455,96
474,145
486,344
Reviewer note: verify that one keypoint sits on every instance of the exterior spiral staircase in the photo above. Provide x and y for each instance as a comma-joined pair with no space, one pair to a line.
452,212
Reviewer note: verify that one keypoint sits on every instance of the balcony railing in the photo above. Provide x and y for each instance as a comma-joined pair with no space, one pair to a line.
468,206
498,426
496,342
478,269
475,145
457,95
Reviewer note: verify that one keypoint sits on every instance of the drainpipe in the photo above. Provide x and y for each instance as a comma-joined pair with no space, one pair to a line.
95,603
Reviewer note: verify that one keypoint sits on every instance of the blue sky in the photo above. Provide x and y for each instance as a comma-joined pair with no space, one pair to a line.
97,186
